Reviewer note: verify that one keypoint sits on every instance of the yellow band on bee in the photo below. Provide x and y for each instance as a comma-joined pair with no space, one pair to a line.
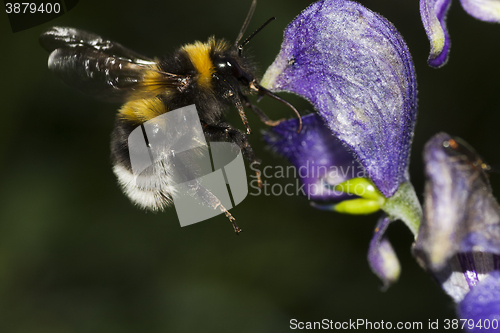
142,110
199,54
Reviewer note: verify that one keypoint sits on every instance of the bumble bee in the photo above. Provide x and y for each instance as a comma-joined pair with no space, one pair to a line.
211,75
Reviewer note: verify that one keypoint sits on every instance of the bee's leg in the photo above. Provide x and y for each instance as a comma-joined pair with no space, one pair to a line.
224,132
262,116
212,201
243,116
206,197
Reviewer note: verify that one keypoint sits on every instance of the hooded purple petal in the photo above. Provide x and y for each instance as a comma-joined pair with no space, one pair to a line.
433,13
484,10
459,238
381,255
319,157
356,70
460,215
481,303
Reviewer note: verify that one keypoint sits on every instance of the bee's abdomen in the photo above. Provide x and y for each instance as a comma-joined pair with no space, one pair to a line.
149,190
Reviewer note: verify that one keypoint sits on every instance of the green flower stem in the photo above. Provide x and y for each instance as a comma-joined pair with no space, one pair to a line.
404,205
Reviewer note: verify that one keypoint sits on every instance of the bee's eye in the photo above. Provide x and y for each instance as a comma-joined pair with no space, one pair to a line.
237,71
228,63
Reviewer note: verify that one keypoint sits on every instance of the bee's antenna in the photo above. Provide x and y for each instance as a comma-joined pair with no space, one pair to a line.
263,91
245,42
246,23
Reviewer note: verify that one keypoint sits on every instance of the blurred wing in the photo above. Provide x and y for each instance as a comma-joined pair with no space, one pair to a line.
103,68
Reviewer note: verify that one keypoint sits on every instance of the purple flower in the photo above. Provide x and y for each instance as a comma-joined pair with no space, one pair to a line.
433,13
459,239
357,72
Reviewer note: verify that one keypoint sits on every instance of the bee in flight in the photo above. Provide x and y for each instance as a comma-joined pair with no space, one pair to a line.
211,75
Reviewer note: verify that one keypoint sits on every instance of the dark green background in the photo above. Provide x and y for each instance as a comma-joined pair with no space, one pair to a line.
76,256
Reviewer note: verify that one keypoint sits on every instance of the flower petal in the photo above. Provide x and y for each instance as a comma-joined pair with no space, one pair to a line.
433,14
381,255
356,70
461,214
481,303
484,10
465,271
319,157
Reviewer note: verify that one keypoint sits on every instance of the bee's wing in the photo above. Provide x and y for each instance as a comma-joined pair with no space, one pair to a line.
59,37
103,68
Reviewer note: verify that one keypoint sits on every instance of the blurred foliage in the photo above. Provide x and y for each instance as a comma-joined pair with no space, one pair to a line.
76,256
